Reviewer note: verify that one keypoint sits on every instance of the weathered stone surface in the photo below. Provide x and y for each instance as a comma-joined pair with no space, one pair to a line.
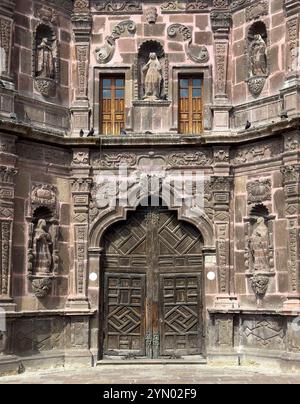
79,246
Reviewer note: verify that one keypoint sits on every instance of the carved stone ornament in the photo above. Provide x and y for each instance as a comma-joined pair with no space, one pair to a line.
106,53
197,53
47,14
189,159
257,10
81,6
172,6
41,287
259,284
259,191
256,85
151,15
119,7
44,195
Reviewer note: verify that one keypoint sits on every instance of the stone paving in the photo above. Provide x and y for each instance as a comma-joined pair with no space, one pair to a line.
155,374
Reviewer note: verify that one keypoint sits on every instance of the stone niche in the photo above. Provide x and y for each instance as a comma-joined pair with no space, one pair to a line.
43,227
151,103
45,60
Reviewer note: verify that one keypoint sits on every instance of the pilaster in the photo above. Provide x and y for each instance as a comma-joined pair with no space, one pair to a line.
82,28
81,187
221,21
7,189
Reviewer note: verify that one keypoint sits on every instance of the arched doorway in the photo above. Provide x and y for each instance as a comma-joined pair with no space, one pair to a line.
152,267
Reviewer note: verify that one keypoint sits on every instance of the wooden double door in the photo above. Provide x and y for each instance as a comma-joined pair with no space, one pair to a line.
152,288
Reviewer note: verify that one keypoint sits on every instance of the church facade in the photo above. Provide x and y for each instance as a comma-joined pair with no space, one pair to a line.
149,182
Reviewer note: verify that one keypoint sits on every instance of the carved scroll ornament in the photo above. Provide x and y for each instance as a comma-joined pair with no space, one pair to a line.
197,53
106,53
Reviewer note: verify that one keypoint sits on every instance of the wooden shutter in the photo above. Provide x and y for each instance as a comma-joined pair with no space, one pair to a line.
112,105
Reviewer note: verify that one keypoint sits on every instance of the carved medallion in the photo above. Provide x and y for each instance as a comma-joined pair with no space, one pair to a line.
41,287
259,191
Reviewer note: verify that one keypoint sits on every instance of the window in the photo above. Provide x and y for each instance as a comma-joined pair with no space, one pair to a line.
112,105
190,105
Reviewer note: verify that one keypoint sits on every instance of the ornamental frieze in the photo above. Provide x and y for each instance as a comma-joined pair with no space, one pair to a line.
119,7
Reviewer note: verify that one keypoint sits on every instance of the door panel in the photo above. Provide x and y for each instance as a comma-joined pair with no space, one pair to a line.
125,312
153,270
190,105
112,105
180,315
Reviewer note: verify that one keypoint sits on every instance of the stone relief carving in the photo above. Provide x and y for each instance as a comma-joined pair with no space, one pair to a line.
44,195
189,159
293,43
259,191
257,10
5,44
45,59
264,333
220,20
256,153
170,6
153,79
5,233
82,6
47,14
106,53
123,7
257,58
151,15
41,287
197,53
260,284
114,160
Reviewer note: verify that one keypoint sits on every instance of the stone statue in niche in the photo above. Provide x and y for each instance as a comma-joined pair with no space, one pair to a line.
42,246
259,246
258,56
153,79
45,59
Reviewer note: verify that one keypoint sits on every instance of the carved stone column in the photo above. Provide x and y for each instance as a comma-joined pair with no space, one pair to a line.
6,30
82,27
291,88
221,186
291,178
221,23
7,188
81,188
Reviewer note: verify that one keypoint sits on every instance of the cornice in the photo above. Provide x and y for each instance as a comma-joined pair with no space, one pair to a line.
26,132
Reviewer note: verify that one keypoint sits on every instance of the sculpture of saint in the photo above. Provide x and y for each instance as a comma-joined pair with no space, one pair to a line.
42,244
259,246
153,78
258,56
45,60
